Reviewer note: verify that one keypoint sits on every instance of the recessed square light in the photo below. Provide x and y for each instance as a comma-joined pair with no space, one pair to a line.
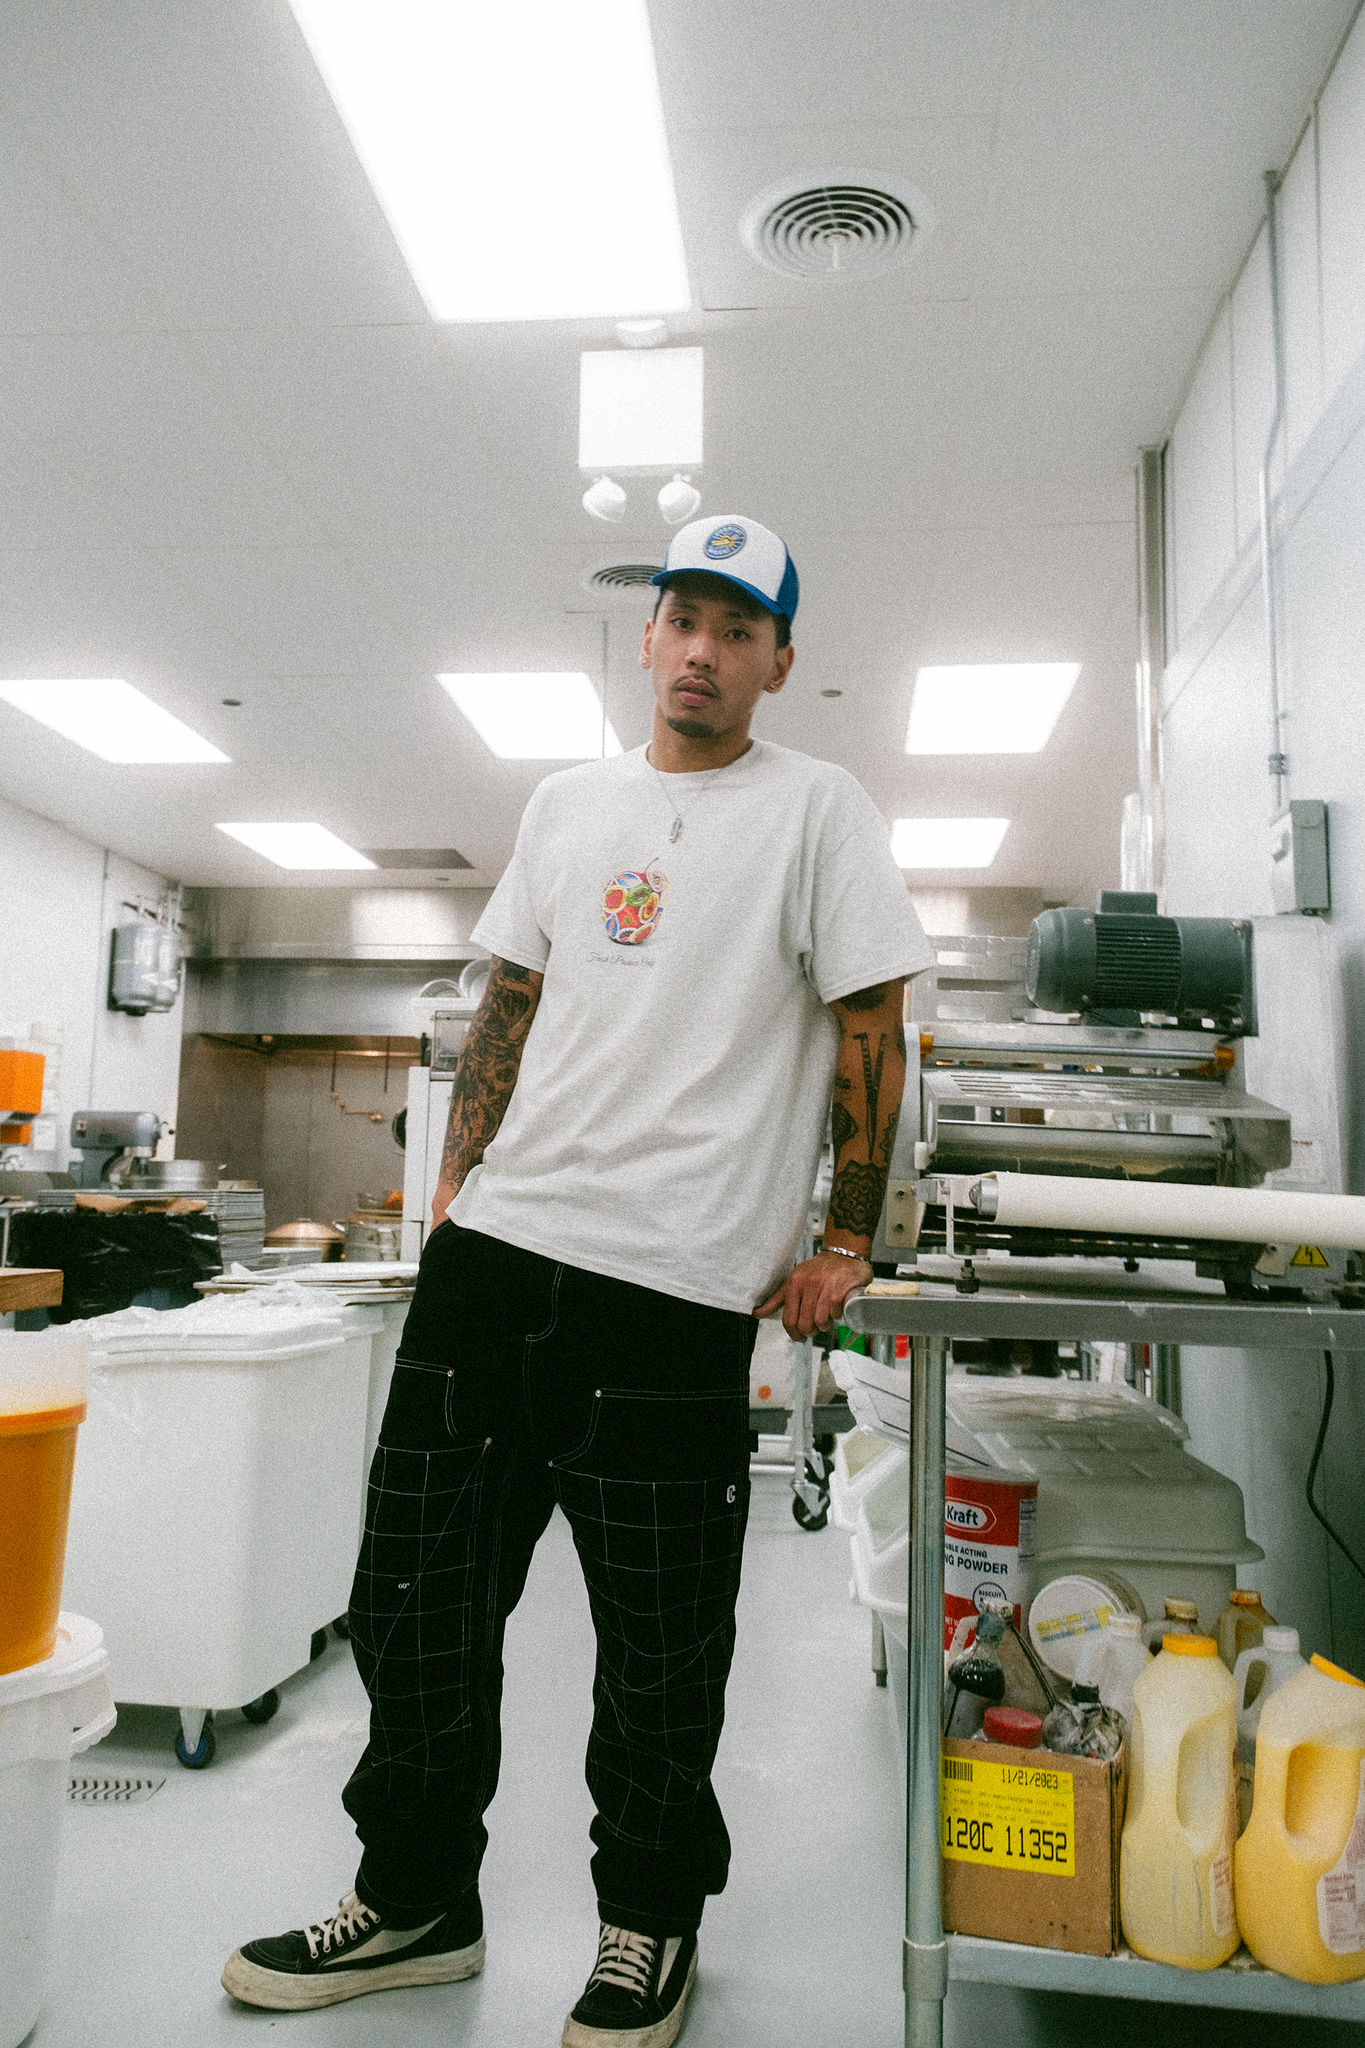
298,846
988,708
518,150
555,717
947,842
640,408
110,718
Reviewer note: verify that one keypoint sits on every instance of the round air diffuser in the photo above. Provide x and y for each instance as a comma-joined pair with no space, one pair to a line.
836,224
623,582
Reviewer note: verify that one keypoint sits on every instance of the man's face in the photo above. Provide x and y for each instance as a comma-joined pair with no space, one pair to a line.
711,660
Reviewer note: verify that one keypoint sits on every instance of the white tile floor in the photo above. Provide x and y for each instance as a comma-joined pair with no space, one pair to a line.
804,1947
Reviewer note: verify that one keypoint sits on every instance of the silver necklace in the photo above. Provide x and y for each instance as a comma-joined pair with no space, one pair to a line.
675,829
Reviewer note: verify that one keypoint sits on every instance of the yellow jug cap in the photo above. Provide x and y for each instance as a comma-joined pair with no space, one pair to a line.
1190,1646
1334,1671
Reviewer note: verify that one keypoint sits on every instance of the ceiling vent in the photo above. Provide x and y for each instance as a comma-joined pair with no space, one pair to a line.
839,224
625,582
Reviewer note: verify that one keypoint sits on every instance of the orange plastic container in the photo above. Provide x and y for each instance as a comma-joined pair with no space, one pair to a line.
43,1381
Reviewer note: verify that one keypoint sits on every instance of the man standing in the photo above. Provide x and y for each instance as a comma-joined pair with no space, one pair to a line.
694,945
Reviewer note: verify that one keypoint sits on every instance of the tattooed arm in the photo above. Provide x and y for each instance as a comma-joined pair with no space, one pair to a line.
868,1082
490,1060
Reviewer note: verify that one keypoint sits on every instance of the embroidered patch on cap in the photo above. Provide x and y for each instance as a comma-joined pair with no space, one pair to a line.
724,542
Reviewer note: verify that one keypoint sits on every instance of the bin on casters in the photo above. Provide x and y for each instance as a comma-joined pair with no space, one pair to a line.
213,1518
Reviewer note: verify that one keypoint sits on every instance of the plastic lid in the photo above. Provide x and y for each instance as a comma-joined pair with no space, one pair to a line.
1190,1646
1180,1609
1013,1725
1242,1596
1280,1639
43,1373
1126,1627
1334,1671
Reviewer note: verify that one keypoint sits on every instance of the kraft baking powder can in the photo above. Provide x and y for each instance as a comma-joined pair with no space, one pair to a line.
988,1524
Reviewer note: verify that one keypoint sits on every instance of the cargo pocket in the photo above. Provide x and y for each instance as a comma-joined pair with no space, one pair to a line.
663,1435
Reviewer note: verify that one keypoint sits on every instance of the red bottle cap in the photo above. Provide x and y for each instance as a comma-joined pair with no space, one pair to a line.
1015,1726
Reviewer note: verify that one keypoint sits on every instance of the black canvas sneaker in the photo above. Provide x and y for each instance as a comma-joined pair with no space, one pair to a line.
357,1950
637,1992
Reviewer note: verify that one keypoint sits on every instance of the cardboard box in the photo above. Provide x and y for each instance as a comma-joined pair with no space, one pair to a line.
1030,1846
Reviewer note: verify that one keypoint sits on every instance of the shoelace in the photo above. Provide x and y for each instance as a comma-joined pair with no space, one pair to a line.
351,1918
626,1959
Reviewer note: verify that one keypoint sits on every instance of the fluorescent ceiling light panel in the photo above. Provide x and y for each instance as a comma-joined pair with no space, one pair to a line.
947,842
298,846
556,717
518,150
639,408
110,718
1001,708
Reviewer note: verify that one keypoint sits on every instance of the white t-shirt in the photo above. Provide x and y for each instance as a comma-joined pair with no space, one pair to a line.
669,1112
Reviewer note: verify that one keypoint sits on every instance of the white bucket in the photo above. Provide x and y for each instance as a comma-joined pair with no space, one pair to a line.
48,1712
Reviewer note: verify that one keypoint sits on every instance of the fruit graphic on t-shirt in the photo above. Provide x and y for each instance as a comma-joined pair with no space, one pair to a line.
633,905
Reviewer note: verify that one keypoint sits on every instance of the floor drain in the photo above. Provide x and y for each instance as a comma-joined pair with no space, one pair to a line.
112,1791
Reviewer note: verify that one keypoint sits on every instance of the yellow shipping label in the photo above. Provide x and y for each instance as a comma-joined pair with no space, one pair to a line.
1014,1816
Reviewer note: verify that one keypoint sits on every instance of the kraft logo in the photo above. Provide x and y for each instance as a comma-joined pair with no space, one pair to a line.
964,1514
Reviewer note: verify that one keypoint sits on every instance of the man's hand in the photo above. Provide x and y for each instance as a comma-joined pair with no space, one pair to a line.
813,1293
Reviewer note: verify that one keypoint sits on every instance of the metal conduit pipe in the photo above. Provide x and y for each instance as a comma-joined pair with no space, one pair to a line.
1278,760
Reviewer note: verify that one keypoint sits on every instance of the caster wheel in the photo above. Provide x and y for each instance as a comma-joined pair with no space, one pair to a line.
263,1709
805,1519
318,1645
341,1628
197,1759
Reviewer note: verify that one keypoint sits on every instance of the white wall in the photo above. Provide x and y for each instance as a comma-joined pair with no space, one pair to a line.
60,898
1258,1421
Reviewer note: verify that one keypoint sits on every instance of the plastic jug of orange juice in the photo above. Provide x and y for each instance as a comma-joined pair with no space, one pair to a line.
44,1375
1257,1674
1301,1863
1175,1864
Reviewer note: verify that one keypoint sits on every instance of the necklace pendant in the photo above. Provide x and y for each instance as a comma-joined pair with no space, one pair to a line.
675,830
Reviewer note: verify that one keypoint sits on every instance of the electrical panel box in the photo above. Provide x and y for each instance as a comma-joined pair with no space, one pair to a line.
1299,874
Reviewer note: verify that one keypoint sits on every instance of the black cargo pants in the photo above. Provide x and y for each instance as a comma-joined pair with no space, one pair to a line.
522,1383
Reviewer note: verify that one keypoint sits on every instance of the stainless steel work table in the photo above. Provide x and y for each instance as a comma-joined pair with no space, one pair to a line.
1054,1301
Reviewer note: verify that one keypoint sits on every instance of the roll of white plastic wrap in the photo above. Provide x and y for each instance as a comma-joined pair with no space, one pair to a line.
1164,1209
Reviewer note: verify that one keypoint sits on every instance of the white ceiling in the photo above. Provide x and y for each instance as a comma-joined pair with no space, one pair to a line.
237,458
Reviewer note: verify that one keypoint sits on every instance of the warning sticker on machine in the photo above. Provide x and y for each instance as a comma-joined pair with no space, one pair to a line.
1015,1816
1309,1255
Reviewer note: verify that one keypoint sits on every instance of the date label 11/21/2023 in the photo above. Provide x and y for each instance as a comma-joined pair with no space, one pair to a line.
1011,1816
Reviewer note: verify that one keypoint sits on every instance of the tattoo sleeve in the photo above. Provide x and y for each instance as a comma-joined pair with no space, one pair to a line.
490,1060
869,1082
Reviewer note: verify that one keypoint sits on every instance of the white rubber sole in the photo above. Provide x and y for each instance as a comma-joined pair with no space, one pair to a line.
660,2035
277,1991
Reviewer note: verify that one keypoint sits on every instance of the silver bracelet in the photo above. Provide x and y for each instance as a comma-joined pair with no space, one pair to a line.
840,1253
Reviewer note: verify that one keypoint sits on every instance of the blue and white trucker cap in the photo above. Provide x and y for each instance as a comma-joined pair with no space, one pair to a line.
741,551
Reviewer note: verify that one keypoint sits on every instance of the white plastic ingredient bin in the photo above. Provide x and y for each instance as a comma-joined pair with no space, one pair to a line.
48,1712
213,1516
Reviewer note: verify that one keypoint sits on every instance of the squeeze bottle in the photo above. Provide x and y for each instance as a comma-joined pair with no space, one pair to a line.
1181,1618
1175,1864
1301,1863
1113,1659
1257,1674
1241,1624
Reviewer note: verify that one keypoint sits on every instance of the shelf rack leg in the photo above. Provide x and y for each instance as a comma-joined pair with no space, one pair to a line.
925,1950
